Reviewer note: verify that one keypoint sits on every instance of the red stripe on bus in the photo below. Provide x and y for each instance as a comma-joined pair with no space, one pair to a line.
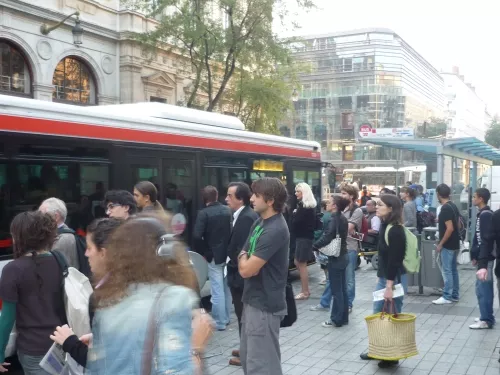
52,127
5,243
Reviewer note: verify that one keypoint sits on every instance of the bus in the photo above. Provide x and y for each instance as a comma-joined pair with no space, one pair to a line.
77,153
376,178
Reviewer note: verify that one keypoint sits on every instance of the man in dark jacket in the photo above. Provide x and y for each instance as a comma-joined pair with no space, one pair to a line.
211,238
238,199
482,255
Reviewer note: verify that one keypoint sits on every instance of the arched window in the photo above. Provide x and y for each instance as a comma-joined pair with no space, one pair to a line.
15,76
301,132
73,82
284,131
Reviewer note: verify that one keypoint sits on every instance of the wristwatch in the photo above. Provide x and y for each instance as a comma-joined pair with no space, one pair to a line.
243,252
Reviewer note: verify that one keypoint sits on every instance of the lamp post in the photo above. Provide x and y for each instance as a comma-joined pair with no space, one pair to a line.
295,99
77,30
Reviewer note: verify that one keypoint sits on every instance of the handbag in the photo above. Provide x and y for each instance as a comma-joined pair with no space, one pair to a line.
149,343
391,336
333,248
291,307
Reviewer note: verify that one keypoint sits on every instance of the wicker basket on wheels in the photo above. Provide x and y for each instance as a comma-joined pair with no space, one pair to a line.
391,337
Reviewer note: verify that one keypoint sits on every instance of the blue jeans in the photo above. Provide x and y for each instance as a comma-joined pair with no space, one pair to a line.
339,313
31,364
485,295
398,302
326,297
450,274
221,295
351,276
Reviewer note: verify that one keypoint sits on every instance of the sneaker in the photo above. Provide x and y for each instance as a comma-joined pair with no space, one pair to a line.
441,301
387,364
476,320
455,299
480,325
322,282
327,324
318,307
350,310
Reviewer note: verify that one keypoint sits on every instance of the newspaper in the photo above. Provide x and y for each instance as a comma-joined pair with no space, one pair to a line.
54,361
398,291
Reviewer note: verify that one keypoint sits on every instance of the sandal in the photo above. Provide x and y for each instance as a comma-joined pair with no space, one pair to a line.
302,296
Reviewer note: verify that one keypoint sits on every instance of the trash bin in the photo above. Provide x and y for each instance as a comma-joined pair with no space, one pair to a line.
430,271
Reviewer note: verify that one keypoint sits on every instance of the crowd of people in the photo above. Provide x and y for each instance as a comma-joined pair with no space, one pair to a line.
147,297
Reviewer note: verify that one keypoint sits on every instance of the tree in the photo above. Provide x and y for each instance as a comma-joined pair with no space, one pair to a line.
434,128
492,136
237,61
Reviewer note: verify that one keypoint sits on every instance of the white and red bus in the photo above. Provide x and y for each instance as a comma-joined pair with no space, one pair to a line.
76,153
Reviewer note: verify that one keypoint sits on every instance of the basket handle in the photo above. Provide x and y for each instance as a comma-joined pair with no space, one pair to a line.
392,309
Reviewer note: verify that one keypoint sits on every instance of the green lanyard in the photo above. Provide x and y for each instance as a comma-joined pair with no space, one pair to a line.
253,239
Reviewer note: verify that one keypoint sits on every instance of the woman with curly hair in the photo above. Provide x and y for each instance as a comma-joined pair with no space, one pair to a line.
144,308
30,288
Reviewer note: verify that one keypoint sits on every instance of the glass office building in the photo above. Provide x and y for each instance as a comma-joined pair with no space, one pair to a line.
361,77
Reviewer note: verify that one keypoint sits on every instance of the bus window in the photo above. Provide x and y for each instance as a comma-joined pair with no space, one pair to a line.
34,182
299,176
313,180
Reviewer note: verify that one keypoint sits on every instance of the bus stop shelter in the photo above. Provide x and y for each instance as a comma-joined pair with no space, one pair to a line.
435,151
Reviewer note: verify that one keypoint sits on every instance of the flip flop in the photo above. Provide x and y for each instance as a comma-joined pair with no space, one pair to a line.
302,296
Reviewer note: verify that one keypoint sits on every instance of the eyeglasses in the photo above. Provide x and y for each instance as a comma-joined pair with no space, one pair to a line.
110,206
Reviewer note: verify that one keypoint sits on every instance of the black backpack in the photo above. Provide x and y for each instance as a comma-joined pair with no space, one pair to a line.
81,247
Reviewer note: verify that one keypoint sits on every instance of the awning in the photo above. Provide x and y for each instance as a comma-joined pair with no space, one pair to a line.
469,148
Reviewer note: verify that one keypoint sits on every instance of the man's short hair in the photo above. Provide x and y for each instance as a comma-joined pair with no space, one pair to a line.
271,188
484,194
352,190
55,205
243,192
209,194
123,198
443,191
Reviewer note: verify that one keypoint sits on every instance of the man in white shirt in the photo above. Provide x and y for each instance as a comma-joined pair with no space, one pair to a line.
238,199
373,220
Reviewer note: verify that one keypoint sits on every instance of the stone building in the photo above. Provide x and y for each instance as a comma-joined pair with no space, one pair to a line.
109,67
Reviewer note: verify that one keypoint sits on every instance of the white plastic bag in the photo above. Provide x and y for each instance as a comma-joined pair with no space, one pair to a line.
77,294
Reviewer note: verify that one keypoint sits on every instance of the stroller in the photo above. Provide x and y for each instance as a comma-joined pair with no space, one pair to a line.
368,249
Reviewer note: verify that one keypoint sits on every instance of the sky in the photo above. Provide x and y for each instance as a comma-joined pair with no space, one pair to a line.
446,33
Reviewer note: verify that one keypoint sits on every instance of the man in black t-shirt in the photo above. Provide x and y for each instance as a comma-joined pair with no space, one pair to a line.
263,263
448,246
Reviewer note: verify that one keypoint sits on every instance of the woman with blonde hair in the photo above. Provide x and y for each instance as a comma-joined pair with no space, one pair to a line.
303,227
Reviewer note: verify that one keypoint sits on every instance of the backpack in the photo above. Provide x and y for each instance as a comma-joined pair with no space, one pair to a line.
81,247
412,259
76,292
425,219
364,222
461,227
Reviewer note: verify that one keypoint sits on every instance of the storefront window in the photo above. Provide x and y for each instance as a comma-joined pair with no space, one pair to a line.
14,71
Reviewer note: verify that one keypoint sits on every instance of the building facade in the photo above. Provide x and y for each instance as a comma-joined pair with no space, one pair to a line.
466,112
365,77
109,67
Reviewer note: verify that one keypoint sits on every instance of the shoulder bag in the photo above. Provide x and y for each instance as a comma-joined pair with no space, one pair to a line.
334,247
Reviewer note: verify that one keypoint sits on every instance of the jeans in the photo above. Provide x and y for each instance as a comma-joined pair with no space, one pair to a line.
485,296
450,274
326,297
31,364
351,276
221,295
398,302
339,313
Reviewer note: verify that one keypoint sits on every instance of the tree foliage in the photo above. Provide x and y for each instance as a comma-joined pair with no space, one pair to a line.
492,135
238,64
434,128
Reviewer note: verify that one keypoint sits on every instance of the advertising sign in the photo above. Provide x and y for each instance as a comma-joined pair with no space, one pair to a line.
366,131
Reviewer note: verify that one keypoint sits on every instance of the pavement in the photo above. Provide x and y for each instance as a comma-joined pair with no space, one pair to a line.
446,344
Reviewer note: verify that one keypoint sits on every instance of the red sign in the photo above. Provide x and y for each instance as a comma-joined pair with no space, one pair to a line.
365,128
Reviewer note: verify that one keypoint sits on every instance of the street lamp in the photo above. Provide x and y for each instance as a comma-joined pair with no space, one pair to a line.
77,30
